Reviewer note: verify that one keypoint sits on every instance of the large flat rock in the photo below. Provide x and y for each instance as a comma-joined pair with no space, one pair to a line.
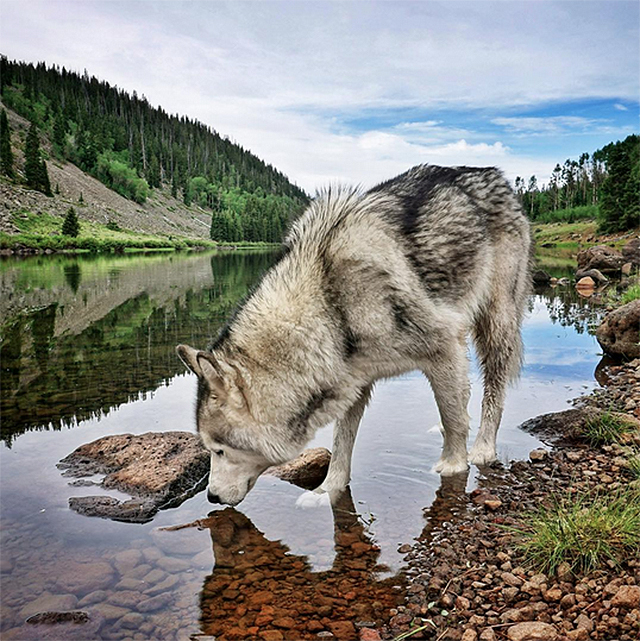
158,469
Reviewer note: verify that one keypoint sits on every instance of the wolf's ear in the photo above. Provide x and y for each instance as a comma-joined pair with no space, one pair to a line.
204,365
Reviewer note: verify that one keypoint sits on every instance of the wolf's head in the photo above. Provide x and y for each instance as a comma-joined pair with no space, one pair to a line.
226,427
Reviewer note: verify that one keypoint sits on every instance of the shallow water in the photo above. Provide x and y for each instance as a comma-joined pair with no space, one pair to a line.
87,348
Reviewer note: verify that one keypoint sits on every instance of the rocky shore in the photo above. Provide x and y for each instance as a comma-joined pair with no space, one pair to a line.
467,577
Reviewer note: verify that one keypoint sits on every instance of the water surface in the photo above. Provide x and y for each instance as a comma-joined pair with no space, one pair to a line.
88,349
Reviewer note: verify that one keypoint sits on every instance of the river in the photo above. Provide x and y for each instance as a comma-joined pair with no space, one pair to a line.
88,349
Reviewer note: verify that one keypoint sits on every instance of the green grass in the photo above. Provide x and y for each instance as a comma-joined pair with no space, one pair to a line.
570,215
43,232
633,465
560,232
632,293
606,428
585,533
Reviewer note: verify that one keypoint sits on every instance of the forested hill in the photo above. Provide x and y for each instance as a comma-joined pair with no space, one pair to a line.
134,148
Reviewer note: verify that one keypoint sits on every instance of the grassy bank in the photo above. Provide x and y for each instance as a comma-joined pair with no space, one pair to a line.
42,232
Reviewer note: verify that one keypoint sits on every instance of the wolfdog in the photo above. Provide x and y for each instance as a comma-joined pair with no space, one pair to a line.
370,285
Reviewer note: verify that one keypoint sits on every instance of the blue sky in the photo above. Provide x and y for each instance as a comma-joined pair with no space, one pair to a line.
359,91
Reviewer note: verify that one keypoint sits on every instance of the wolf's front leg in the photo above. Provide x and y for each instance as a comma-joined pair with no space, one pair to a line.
449,380
344,437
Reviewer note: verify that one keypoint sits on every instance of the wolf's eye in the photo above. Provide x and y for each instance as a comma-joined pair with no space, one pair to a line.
218,452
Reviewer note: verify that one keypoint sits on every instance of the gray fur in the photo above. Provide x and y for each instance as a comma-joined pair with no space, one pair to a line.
372,285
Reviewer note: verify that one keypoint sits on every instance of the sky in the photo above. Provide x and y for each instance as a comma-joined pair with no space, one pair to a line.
359,91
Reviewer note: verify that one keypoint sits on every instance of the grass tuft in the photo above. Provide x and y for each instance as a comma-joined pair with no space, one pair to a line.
606,428
633,465
586,533
631,293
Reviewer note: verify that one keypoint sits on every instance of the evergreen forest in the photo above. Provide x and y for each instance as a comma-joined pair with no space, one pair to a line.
133,148
603,185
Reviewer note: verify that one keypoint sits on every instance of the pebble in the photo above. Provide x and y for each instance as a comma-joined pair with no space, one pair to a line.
627,596
532,631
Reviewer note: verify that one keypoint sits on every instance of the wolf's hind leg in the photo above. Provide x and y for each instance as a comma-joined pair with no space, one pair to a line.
499,347
449,378
344,437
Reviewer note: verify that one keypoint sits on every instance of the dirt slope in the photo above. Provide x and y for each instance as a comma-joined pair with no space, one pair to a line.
161,214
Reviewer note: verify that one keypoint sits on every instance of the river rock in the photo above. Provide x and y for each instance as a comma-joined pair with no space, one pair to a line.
627,596
74,625
631,252
586,283
49,602
532,631
158,469
307,470
619,332
540,277
595,274
83,578
601,257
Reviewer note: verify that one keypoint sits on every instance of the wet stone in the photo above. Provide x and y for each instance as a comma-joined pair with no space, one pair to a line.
158,469
308,470
48,602
82,578
163,586
132,620
110,612
155,603
126,598
127,560
72,625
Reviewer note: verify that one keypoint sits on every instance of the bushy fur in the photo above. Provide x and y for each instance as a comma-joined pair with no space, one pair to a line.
370,285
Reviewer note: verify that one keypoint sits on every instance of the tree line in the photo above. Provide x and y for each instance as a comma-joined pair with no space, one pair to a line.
604,184
133,148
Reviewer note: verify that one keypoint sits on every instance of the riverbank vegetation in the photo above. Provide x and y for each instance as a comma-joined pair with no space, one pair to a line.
44,232
586,533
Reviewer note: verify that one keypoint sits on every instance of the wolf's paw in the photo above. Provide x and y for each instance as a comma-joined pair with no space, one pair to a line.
450,467
482,455
311,500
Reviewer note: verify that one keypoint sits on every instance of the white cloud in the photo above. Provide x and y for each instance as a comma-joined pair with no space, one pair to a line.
282,78
620,107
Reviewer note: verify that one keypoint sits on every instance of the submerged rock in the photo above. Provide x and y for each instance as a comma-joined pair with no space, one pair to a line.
619,332
158,469
56,625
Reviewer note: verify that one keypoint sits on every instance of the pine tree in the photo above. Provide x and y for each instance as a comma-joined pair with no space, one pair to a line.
6,155
620,205
35,167
45,185
32,166
71,225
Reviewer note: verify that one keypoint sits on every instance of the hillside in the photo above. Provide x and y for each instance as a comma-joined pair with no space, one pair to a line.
121,162
161,214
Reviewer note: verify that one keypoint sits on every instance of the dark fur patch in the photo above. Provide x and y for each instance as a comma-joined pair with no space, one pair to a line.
298,423
331,289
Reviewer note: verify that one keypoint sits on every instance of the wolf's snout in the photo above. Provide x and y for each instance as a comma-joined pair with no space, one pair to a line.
213,498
